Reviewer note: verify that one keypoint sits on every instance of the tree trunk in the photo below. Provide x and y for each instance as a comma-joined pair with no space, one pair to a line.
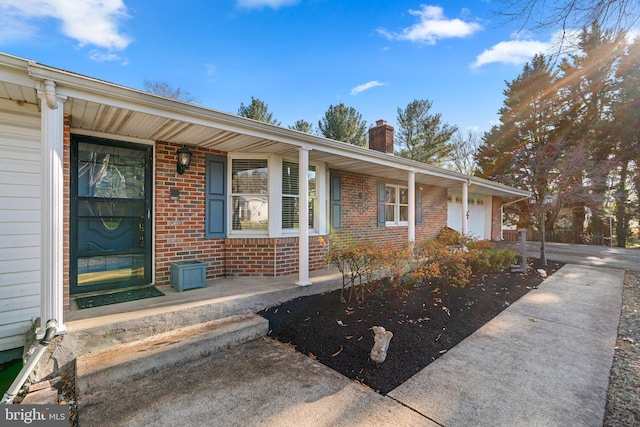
622,220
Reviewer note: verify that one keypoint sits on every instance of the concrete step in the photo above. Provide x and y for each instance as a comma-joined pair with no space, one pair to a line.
104,327
131,360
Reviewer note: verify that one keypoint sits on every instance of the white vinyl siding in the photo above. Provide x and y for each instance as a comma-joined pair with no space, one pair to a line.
20,188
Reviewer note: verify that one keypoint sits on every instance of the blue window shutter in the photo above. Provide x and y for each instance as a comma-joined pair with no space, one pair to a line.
216,197
336,203
381,204
419,206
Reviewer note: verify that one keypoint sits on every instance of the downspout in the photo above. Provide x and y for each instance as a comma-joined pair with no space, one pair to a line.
502,214
52,211
17,384
50,94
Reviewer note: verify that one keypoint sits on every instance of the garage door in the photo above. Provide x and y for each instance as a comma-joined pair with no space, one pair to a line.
479,225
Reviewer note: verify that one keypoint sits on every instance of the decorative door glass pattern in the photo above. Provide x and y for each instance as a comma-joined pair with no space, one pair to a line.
112,216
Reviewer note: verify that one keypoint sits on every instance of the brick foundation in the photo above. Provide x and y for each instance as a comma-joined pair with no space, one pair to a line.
270,257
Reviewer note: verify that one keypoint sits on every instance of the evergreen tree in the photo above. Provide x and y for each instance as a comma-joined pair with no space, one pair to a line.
627,125
568,130
302,126
528,148
423,136
590,84
342,123
257,110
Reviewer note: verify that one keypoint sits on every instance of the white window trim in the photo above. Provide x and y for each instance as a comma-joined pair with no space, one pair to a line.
247,233
396,207
274,184
320,197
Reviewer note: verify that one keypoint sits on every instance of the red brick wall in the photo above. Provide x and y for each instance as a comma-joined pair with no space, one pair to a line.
360,212
180,234
434,212
270,257
179,224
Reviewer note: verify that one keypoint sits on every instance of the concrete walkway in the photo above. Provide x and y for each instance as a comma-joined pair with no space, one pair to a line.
544,361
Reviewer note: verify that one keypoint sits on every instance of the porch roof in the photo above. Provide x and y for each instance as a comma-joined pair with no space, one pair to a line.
100,107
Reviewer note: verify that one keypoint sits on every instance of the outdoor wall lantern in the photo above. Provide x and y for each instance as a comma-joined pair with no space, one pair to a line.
184,159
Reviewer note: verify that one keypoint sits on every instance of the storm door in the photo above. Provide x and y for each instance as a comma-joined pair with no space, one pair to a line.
110,230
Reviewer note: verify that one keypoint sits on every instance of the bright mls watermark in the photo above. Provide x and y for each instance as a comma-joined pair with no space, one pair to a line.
35,415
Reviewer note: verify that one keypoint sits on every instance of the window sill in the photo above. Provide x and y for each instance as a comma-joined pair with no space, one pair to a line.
296,233
284,234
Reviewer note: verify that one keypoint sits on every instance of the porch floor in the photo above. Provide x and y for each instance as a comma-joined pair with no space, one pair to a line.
226,297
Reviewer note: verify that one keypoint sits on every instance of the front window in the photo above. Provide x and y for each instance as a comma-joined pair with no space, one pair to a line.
291,195
396,205
249,194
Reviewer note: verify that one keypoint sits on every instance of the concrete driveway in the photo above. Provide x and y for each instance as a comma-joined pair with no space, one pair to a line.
595,256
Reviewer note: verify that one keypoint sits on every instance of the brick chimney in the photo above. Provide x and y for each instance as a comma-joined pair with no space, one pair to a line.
381,137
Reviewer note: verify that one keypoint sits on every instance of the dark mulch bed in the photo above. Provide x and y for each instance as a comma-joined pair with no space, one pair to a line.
425,324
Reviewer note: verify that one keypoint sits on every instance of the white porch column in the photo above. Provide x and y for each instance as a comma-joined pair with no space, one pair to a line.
411,229
51,252
303,218
465,208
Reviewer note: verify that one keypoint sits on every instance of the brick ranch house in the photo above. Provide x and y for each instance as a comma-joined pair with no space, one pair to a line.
92,200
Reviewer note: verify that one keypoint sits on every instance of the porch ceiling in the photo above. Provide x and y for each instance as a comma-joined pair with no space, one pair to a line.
104,108
95,117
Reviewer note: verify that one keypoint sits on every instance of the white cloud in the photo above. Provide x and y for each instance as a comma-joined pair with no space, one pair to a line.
89,22
98,56
519,51
12,27
515,52
274,4
356,90
432,25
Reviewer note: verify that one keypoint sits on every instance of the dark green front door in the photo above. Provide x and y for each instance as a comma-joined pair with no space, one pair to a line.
110,230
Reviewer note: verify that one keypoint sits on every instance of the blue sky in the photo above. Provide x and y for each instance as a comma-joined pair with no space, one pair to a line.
298,56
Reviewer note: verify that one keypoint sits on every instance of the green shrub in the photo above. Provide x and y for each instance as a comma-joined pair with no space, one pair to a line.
501,259
486,258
